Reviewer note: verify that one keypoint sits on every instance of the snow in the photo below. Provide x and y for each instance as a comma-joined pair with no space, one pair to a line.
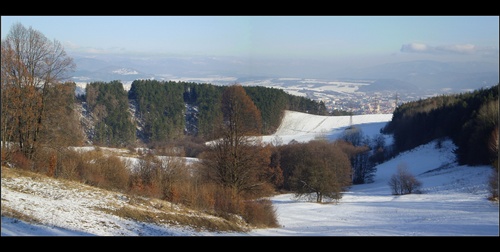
303,127
453,199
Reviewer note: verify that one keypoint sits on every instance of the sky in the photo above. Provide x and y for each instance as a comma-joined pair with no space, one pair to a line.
452,203
359,39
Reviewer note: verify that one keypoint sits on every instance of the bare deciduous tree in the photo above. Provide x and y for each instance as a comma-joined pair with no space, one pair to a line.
237,160
321,169
403,182
31,64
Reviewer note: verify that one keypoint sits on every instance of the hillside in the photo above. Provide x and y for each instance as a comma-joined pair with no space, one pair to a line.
453,201
304,127
89,210
469,119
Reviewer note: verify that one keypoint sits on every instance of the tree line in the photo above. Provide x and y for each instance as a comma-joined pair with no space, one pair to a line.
161,109
470,119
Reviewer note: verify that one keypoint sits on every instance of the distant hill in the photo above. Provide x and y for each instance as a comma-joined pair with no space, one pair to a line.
100,71
409,76
431,75
390,85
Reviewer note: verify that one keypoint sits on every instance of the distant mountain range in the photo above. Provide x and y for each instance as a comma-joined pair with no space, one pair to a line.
411,76
90,70
432,75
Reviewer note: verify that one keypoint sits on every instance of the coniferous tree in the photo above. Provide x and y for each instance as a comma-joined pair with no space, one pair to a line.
109,104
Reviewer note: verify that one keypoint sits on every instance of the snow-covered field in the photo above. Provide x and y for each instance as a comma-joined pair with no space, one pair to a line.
303,127
453,201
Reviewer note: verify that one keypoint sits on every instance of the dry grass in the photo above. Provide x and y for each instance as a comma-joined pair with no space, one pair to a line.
163,212
12,213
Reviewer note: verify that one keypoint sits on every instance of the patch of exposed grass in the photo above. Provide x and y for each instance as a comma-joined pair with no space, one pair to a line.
161,213
12,213
13,173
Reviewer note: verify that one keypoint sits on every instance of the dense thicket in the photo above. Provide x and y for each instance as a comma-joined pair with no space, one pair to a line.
469,119
303,104
160,107
108,102
206,98
272,103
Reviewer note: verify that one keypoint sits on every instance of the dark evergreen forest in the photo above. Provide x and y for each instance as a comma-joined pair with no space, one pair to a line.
109,104
470,119
169,111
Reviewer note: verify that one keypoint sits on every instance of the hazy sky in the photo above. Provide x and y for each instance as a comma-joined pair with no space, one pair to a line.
292,41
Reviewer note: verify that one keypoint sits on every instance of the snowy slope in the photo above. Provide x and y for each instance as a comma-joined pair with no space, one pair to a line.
303,127
453,201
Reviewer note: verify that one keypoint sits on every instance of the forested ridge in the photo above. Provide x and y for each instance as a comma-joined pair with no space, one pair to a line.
470,119
162,110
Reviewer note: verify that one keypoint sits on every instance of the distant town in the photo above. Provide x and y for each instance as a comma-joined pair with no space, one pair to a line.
342,95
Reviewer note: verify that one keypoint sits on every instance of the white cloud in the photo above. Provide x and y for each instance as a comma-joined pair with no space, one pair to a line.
467,48
70,46
415,47
442,49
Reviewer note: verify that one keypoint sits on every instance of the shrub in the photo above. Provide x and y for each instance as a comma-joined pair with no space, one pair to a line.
19,160
260,213
68,165
403,182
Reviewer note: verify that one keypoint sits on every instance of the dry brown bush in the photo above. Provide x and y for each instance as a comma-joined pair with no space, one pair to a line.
19,160
202,196
192,146
67,165
226,201
135,185
90,173
51,169
260,213
116,173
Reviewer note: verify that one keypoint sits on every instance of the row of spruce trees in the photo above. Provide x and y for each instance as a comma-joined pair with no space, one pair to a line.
162,110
